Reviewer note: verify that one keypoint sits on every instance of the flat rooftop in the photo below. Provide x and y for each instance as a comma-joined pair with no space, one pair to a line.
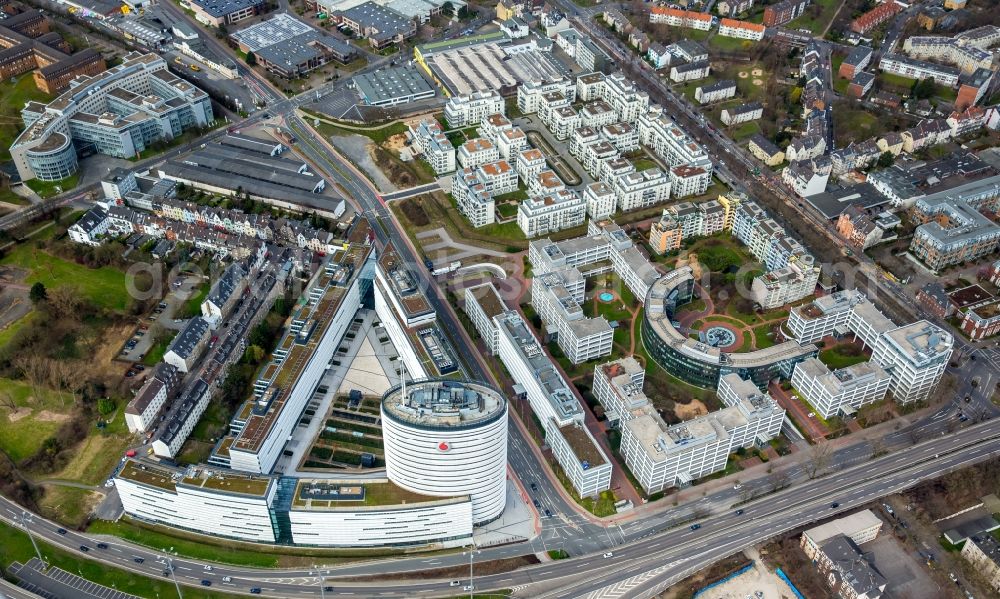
444,404
377,493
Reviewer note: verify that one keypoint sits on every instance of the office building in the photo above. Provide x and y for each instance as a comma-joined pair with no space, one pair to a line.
119,112
380,25
288,380
917,355
843,391
391,86
225,12
557,298
554,404
482,304
447,438
470,109
28,44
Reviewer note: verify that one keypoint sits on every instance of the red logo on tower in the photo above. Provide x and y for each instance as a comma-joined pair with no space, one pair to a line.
443,446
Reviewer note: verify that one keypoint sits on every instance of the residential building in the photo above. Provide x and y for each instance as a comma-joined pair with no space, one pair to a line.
875,17
935,300
715,92
511,142
590,56
470,109
982,321
861,84
741,29
676,17
434,145
691,71
223,295
982,551
972,88
954,51
689,181
783,286
781,13
473,199
953,229
858,58
557,297
642,189
476,152
541,215
119,112
744,113
499,177
142,412
658,55
554,404
623,136
529,93
731,8
186,348
90,227
601,200
858,228
596,114
843,391
530,163
833,549
544,183
911,68
765,151
624,97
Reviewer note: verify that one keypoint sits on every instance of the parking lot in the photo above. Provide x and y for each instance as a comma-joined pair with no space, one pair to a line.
141,341
906,575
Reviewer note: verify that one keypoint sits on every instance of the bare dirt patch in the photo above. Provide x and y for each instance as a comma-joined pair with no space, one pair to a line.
395,143
18,414
47,416
758,72
758,82
690,410
743,74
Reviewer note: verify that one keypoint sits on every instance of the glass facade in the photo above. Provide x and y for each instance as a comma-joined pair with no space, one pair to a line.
54,165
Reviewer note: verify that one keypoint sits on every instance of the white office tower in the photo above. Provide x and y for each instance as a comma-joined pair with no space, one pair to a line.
916,354
448,438
842,391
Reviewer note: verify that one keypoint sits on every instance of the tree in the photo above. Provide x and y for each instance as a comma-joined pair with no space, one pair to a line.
886,160
778,480
251,59
105,406
819,459
254,354
924,88
65,301
37,293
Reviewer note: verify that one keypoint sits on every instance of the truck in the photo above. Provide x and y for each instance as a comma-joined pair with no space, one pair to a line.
443,270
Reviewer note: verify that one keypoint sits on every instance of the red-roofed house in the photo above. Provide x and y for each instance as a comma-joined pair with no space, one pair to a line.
680,18
741,29
875,17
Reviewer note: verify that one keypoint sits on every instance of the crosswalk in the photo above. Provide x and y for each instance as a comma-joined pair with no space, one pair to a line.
622,588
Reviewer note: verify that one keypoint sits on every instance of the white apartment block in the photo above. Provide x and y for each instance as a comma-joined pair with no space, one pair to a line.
465,110
715,92
482,304
966,57
912,68
847,310
473,199
563,121
689,181
670,143
623,136
581,138
642,189
917,355
597,114
530,162
498,177
541,215
662,456
493,125
624,98
555,406
557,298
614,167
744,113
590,86
842,391
476,152
595,154
783,286
529,93
859,527
601,200
545,183
145,407
741,30
434,145
691,71
511,143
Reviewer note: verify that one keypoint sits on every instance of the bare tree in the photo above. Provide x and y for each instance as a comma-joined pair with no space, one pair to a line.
778,480
7,401
819,459
877,447
33,369
65,301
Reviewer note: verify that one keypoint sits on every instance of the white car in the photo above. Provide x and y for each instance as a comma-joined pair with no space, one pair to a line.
454,583
227,579
208,568
468,587
608,554
737,486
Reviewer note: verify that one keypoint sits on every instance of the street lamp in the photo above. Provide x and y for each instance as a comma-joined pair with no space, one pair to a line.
25,519
322,581
472,585
170,568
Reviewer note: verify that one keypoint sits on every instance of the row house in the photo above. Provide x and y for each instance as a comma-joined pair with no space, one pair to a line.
676,17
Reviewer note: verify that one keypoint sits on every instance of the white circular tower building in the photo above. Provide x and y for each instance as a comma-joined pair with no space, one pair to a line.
448,438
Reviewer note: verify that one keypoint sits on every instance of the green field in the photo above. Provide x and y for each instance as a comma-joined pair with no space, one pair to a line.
155,353
15,95
376,134
47,189
192,307
17,546
899,81
818,24
836,358
730,44
25,434
104,286
745,130
8,333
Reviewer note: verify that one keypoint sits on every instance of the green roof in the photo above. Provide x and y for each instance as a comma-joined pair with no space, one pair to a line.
472,40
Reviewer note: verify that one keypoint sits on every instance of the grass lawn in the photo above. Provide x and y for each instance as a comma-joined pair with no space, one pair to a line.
904,83
857,125
376,134
155,353
642,164
68,505
10,197
835,358
603,506
15,94
761,335
192,307
17,547
104,286
47,189
817,24
503,231
744,130
730,44
8,333
36,420
514,196
507,210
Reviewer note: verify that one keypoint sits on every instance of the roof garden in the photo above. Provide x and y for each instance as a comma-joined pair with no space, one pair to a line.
148,475
380,493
